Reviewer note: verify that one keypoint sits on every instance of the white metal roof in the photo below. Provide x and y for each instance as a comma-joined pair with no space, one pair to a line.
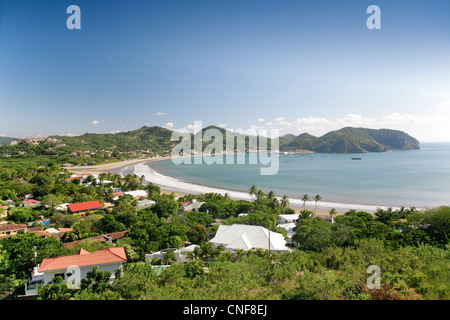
246,237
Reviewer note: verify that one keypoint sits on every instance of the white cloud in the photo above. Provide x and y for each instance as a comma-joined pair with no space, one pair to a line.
169,125
261,120
161,113
354,120
397,118
279,119
95,122
222,125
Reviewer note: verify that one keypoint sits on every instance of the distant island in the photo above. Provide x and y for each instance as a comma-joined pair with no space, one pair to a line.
350,140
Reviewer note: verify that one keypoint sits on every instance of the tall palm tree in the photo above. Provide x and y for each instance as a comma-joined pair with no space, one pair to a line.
271,195
252,192
284,201
332,214
305,198
316,198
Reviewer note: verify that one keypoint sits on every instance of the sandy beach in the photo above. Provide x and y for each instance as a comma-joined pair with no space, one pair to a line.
107,167
188,187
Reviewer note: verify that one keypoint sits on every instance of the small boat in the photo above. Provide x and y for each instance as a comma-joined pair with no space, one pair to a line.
356,158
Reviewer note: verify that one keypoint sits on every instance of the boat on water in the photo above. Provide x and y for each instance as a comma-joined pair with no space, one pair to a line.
356,158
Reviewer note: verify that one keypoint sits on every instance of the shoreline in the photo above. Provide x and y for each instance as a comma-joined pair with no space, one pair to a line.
167,186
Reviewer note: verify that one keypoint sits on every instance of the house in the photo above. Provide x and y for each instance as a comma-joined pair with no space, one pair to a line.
73,269
7,230
144,204
194,205
84,207
248,237
288,218
137,194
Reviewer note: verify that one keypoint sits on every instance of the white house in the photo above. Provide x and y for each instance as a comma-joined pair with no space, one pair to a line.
288,218
144,204
247,237
137,194
74,268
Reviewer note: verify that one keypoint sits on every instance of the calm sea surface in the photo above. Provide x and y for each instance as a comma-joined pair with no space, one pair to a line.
419,178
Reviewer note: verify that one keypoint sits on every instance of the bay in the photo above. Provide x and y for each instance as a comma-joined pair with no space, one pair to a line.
411,178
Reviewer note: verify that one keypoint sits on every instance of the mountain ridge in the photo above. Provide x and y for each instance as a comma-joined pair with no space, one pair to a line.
351,140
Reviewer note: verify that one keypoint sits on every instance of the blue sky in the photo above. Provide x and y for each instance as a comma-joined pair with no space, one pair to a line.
295,66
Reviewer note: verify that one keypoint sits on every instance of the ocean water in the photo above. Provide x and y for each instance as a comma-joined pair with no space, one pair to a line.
411,178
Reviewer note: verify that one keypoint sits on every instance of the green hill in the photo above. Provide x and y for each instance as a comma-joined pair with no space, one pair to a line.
351,140
6,140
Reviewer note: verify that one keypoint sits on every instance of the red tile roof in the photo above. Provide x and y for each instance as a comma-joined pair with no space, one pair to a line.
85,206
83,258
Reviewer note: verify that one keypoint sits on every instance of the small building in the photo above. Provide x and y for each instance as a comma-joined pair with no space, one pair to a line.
144,204
11,229
137,194
194,205
62,207
288,218
31,202
81,208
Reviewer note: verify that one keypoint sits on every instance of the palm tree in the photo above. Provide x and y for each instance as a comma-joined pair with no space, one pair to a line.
285,201
260,195
305,198
271,195
252,192
316,198
332,214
